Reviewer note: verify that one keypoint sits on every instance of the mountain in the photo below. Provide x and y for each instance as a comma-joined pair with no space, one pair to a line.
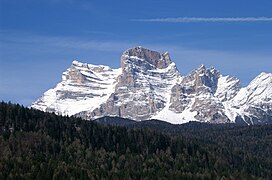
149,86
253,103
83,88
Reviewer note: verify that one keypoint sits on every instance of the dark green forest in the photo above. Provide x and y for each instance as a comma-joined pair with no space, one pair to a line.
39,145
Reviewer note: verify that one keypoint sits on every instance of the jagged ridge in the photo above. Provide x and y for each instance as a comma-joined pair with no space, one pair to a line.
149,86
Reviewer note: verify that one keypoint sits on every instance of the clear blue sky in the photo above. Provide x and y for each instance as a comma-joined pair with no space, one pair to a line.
40,38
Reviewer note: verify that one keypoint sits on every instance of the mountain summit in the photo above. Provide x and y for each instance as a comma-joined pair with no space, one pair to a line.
149,86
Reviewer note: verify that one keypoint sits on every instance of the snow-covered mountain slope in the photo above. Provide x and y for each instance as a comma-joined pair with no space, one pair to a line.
257,92
253,104
195,98
149,86
227,88
83,88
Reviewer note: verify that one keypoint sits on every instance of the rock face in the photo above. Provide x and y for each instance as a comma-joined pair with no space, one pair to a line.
196,92
149,86
147,76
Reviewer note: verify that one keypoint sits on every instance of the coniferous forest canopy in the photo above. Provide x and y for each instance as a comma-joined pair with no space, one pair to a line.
39,145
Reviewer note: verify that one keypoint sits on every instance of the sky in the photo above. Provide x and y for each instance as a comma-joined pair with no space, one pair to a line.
40,38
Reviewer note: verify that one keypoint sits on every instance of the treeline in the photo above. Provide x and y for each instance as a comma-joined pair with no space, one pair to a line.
39,145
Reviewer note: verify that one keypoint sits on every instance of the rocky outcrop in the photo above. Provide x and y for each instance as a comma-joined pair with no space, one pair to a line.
74,75
196,93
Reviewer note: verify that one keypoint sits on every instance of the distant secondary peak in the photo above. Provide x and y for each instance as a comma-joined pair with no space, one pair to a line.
201,67
79,64
76,62
203,70
263,78
213,69
153,57
166,56
264,74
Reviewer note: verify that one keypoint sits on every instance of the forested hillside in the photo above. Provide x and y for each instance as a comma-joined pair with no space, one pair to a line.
39,145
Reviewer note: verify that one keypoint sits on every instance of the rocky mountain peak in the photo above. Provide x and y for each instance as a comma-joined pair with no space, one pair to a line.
201,68
202,77
154,58
203,71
